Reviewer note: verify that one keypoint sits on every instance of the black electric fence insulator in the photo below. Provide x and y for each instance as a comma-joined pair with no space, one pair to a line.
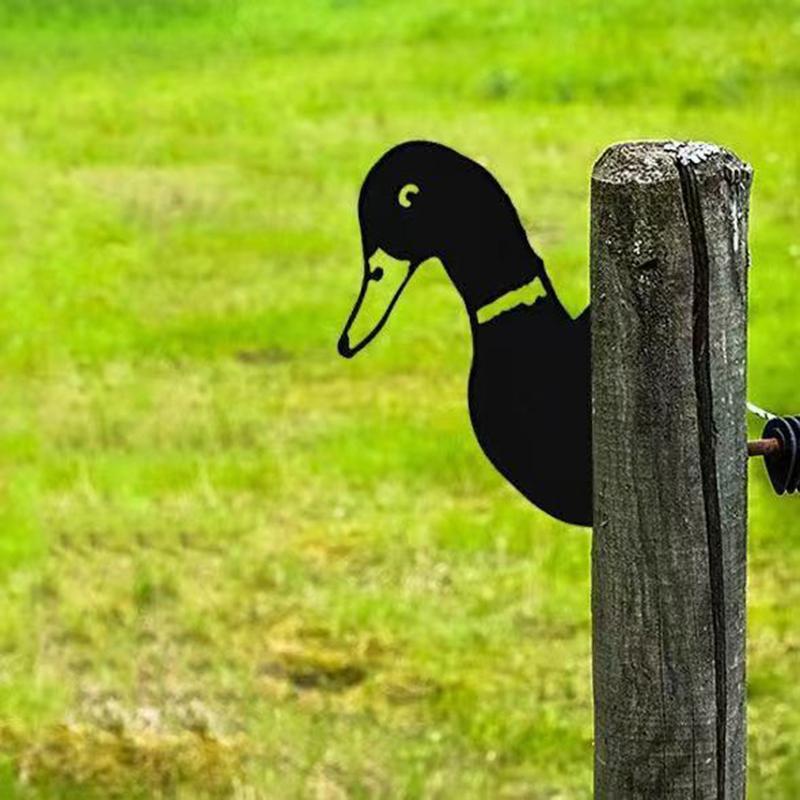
783,465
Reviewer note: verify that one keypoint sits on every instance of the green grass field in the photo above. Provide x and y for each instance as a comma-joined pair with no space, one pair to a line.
233,564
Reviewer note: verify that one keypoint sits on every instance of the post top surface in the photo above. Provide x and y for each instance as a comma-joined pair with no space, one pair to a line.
656,161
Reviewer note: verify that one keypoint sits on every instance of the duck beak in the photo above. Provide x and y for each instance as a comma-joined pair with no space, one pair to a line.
384,279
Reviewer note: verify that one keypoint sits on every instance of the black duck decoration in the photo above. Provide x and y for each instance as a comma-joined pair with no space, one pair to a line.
531,359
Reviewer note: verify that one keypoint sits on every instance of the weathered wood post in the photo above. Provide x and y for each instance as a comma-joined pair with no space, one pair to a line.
669,297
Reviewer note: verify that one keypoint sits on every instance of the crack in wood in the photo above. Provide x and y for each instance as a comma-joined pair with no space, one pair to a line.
707,448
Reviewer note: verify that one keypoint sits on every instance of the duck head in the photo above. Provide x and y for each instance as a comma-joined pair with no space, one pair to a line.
420,201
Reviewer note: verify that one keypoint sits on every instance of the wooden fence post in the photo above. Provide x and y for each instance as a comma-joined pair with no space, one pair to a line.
669,311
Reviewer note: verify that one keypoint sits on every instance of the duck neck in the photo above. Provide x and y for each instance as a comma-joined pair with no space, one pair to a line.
498,275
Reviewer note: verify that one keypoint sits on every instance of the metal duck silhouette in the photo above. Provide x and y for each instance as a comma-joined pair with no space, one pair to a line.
422,200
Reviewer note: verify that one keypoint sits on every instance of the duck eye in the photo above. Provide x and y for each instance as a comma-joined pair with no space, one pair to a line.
376,274
403,196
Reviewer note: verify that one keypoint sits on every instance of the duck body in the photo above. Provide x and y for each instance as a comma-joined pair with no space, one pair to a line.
529,390
530,405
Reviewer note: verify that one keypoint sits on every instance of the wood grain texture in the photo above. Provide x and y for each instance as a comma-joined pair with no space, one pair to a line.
669,310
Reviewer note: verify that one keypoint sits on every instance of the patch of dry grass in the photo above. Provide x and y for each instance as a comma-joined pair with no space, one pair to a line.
125,758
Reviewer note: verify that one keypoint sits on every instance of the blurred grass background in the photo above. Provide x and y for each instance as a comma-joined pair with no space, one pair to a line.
235,565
